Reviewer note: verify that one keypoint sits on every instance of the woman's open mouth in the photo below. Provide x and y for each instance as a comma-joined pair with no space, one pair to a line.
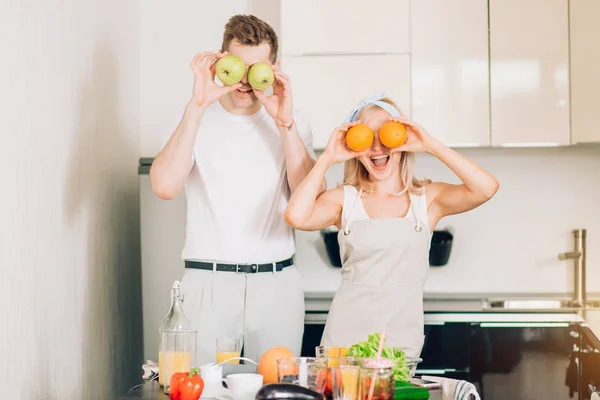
380,162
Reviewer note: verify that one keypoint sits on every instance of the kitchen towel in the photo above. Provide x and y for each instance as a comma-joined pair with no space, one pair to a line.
453,389
150,370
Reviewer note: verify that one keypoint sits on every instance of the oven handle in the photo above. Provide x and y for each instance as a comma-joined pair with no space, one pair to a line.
318,318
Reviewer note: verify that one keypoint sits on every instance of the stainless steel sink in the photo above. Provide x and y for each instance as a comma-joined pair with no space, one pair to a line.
540,305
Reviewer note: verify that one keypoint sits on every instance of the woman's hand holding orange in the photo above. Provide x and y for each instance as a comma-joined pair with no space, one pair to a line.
417,138
337,150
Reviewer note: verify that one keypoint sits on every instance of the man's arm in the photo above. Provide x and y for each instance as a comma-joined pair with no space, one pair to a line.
173,164
296,139
298,161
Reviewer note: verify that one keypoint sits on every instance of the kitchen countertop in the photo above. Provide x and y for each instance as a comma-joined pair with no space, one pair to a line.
463,307
153,391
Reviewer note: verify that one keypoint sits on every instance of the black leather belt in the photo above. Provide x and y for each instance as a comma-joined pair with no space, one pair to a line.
241,268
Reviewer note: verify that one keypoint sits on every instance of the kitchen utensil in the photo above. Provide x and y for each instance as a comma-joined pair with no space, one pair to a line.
441,246
330,237
212,375
303,371
344,382
243,386
229,349
412,364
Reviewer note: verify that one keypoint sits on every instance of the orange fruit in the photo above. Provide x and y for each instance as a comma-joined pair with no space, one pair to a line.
392,134
359,138
267,365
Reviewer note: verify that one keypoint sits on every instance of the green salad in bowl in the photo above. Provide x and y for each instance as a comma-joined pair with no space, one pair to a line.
403,367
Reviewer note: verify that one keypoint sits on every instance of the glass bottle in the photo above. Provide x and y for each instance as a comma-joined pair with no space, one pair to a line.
177,345
379,372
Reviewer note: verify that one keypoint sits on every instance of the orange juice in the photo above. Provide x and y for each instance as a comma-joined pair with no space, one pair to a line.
179,361
226,355
332,353
349,382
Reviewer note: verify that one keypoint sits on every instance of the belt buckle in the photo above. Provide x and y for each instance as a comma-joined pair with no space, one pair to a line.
253,268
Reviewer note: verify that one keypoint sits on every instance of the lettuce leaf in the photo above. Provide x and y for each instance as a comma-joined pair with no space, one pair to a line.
368,349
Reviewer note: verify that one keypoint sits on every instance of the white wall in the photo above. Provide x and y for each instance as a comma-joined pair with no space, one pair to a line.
172,32
511,243
69,209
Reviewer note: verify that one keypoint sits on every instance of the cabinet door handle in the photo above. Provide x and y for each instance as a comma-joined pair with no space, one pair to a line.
434,371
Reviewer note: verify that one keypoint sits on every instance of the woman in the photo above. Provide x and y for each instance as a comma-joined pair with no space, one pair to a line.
385,217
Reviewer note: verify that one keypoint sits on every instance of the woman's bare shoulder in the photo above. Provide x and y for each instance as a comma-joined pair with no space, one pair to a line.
335,195
432,189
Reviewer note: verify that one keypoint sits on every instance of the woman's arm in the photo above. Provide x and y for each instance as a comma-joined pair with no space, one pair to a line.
309,208
446,199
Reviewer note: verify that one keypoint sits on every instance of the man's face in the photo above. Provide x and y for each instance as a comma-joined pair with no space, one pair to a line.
244,97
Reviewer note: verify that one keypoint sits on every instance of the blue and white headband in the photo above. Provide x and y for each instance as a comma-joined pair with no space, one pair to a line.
374,98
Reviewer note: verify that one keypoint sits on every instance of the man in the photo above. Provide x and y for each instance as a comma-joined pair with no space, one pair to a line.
239,153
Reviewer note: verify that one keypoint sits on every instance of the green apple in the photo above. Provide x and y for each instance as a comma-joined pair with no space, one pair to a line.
230,69
261,76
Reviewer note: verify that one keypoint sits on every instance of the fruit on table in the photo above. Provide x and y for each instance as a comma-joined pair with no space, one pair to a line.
261,76
230,69
267,365
359,137
276,391
392,134
186,386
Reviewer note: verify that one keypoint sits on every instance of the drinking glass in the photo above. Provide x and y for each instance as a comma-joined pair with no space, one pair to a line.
227,348
310,372
344,382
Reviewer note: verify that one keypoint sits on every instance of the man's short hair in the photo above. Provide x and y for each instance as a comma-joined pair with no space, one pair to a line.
249,30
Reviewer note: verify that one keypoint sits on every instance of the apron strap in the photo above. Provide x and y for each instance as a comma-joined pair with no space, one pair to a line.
356,199
413,206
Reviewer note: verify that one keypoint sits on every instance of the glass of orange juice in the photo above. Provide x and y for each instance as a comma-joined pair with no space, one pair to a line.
227,348
332,353
345,382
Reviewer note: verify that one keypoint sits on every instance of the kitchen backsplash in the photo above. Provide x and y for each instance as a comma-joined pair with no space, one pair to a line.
511,243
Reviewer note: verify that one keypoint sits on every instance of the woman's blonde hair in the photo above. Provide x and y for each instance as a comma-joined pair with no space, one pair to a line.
355,173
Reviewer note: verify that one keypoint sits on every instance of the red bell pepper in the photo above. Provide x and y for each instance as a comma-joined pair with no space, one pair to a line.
186,386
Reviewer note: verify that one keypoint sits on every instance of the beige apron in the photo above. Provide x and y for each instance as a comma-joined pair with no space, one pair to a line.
385,265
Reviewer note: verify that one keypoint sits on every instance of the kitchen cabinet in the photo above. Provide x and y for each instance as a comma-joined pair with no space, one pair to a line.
327,88
344,27
450,70
585,71
529,72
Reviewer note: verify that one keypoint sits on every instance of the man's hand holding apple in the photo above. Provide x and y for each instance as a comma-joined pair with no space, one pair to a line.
279,104
206,91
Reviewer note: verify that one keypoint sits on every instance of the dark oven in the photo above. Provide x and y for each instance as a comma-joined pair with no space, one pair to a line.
314,323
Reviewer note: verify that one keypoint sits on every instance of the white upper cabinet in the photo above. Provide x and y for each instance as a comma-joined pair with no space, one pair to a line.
326,89
529,56
344,27
585,71
450,70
